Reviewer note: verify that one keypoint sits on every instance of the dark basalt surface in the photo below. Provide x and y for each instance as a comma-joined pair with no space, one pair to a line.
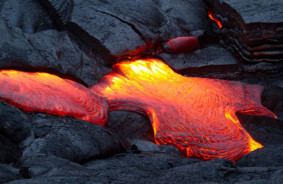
252,31
220,64
81,39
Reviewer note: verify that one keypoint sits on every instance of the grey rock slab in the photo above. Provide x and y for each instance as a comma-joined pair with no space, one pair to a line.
212,60
259,11
190,16
73,139
25,14
112,33
63,54
50,51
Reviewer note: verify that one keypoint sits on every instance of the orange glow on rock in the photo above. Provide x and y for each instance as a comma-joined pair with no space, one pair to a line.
43,92
198,115
212,17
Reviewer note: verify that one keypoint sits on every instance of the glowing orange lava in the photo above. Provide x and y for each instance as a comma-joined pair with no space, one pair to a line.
51,94
197,115
212,17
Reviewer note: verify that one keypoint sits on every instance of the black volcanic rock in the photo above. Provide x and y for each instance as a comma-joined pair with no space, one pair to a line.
267,131
269,156
73,139
59,10
190,16
277,177
259,11
210,61
153,162
9,152
14,124
41,165
58,180
102,32
130,125
212,171
125,29
8,173
254,37
25,14
50,51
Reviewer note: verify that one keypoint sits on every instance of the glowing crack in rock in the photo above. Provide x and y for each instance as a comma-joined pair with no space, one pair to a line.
211,15
51,94
197,115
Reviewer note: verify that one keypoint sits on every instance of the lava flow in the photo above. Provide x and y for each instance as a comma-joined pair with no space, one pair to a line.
51,94
197,115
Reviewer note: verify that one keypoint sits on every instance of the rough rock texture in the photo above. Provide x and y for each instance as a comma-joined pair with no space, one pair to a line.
260,11
267,131
253,31
72,139
25,14
8,173
77,38
15,124
50,51
130,125
220,64
136,26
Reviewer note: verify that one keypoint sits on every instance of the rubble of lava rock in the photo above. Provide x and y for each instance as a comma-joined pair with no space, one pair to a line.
81,40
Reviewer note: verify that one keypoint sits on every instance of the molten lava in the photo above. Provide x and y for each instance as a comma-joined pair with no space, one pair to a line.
51,94
197,115
212,17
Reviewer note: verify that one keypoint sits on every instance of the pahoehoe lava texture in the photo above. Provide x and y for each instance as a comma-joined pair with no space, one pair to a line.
43,92
198,115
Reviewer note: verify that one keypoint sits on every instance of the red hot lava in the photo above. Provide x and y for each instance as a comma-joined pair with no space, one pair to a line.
197,115
51,94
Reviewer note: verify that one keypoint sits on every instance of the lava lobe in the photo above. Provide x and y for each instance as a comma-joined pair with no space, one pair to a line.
198,115
43,92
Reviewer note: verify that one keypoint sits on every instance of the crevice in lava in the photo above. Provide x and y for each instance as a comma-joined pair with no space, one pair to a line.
52,12
90,41
123,21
